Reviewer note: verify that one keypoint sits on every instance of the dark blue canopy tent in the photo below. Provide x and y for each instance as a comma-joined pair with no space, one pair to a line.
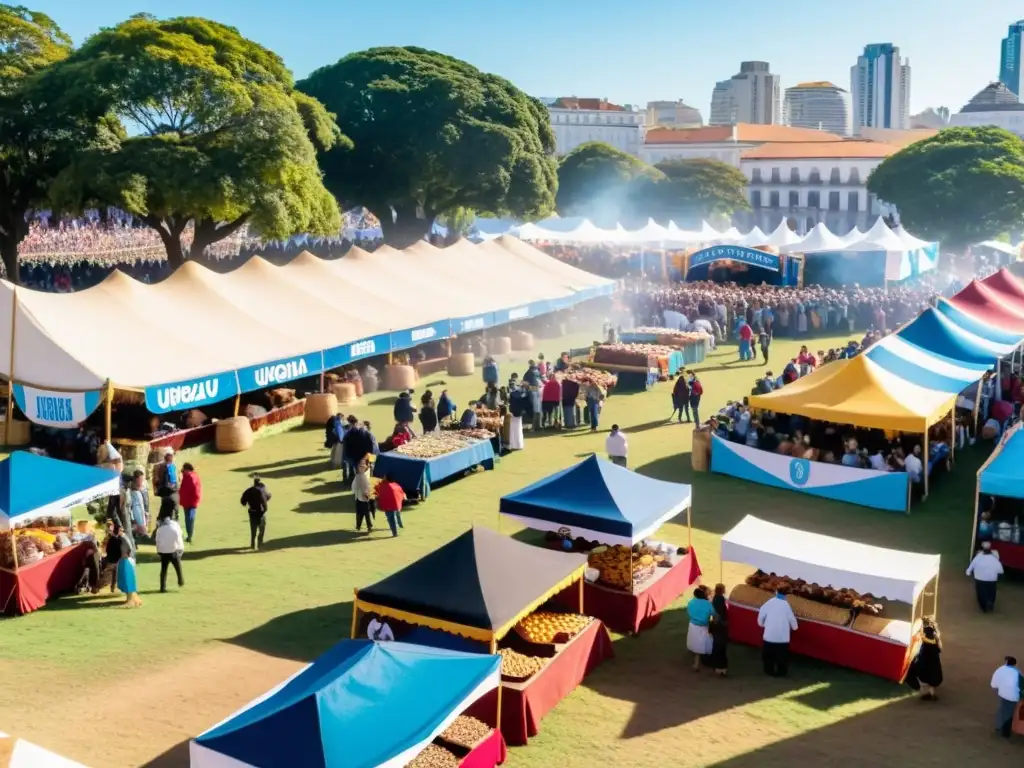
598,500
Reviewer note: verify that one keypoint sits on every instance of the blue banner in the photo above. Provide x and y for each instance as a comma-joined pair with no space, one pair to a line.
268,375
192,393
751,256
517,313
347,353
56,409
865,487
472,323
423,335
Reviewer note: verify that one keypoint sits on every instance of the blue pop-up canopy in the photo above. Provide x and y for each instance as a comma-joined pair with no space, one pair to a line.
362,704
599,500
35,486
1003,474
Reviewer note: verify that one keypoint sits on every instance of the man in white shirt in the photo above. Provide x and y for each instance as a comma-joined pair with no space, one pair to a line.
1007,683
616,447
379,631
777,619
914,466
986,570
170,545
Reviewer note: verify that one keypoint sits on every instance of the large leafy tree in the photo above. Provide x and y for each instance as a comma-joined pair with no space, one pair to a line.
218,135
691,190
43,123
958,187
598,181
433,134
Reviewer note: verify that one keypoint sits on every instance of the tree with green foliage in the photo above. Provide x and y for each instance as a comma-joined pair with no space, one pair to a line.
958,187
42,124
598,181
431,134
458,221
690,191
219,137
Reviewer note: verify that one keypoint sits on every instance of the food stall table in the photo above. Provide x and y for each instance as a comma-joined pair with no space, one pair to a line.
1011,555
524,705
632,613
829,642
27,589
1000,478
417,475
487,754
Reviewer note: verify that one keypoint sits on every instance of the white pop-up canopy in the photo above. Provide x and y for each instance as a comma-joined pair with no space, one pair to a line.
753,238
828,561
782,236
817,240
852,236
879,238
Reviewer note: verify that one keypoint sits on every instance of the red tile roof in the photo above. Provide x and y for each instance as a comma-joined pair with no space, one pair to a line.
747,133
573,102
837,150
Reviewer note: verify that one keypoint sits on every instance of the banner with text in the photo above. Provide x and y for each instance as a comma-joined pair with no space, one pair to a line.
279,372
473,323
750,256
347,353
865,487
411,337
56,409
192,393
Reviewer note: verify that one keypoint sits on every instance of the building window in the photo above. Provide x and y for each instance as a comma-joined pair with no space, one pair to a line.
755,199
815,176
755,176
854,176
834,177
810,223
833,201
773,199
814,199
776,176
853,201
794,175
794,199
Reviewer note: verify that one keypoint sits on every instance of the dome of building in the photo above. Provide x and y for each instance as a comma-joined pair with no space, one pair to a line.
994,97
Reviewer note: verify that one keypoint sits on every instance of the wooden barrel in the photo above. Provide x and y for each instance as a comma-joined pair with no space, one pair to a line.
370,384
20,432
461,364
233,435
345,391
500,345
320,406
700,456
399,377
522,341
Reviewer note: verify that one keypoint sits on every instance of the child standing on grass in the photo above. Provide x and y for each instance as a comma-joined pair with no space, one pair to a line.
190,496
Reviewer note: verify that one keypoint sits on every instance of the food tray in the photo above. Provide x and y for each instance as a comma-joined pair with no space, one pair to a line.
461,750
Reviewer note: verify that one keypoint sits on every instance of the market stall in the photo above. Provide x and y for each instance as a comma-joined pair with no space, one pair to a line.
611,513
486,588
1001,483
365,704
428,459
845,595
40,556
18,753
694,345
637,367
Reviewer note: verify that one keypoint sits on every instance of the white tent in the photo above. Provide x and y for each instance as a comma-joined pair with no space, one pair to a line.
852,236
730,236
828,561
18,753
682,235
753,238
651,233
995,245
909,240
817,240
782,236
879,238
708,233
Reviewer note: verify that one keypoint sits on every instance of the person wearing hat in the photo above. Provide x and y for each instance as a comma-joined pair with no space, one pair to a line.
986,570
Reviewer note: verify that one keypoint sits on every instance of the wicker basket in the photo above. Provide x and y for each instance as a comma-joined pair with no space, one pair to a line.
500,345
20,432
522,341
320,406
345,392
461,364
399,377
700,456
233,435
370,384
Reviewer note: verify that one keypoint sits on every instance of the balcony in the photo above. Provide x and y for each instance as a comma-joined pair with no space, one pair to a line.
803,183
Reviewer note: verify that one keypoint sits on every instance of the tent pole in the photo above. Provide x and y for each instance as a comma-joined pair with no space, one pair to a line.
238,396
689,527
977,403
355,614
582,585
497,724
108,411
952,436
10,384
926,457
494,645
935,598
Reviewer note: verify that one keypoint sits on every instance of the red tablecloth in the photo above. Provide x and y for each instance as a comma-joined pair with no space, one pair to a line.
487,754
1011,555
828,642
191,438
28,588
625,613
523,705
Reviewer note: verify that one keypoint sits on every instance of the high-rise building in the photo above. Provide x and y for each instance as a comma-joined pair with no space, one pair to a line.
880,88
752,96
820,105
673,114
1010,58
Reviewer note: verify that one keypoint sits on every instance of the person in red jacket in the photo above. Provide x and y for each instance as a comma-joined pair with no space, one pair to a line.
190,494
551,403
390,497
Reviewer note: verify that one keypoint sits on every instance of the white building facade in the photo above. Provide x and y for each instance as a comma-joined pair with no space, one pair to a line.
818,105
754,95
880,88
995,104
576,121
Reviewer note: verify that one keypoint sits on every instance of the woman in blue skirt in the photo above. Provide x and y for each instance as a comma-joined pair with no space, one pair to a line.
127,580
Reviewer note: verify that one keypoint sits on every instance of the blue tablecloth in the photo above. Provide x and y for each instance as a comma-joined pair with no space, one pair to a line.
417,475
675,363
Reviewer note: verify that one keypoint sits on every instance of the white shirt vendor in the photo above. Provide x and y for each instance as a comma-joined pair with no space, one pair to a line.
985,566
1006,681
379,630
777,619
914,467
615,445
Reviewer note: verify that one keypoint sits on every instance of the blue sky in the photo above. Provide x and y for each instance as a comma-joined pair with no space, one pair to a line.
630,51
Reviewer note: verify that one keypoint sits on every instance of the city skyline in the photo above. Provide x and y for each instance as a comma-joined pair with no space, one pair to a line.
584,49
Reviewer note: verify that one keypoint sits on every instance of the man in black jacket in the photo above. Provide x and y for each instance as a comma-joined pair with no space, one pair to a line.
256,498
356,444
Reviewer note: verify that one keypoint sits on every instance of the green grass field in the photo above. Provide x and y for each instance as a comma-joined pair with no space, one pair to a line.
113,687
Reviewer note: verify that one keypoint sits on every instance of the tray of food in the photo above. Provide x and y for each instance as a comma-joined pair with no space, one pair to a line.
465,733
435,444
544,628
517,667
434,756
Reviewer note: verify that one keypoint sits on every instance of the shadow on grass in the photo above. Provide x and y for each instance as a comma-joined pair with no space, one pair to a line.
175,757
301,635
299,541
304,467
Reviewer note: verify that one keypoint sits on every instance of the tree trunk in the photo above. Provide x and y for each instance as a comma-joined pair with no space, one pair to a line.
406,229
175,254
207,232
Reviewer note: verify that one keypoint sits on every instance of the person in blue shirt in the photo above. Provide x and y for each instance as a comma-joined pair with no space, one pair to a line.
851,458
698,638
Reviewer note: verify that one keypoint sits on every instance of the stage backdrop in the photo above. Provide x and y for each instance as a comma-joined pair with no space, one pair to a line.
866,487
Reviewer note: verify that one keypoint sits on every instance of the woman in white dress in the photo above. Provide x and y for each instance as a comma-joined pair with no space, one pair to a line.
518,404
698,638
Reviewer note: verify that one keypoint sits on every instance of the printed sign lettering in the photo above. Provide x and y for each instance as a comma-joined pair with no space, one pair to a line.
475,324
422,334
56,409
751,256
519,314
363,348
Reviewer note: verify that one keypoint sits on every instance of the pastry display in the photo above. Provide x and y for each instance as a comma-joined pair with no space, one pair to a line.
519,666
803,608
434,756
848,599
587,376
543,627
435,444
751,596
614,563
873,625
671,337
466,732
633,355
